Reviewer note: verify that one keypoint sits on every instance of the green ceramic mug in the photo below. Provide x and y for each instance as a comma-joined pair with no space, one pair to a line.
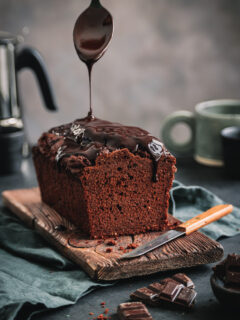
205,124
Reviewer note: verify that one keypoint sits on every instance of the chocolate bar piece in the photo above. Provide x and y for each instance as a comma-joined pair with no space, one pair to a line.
228,270
133,311
232,277
232,269
145,294
168,291
219,269
233,260
166,280
156,287
186,297
184,279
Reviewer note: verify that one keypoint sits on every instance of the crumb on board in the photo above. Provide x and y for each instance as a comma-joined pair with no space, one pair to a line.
111,242
132,246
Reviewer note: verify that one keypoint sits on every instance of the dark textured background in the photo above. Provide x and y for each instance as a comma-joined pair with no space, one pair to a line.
164,56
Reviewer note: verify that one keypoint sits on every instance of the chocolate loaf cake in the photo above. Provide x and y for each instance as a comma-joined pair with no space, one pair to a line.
108,179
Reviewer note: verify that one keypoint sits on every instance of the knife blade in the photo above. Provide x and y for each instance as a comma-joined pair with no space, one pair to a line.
184,229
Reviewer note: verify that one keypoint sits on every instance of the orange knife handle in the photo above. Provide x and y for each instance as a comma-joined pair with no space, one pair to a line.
205,218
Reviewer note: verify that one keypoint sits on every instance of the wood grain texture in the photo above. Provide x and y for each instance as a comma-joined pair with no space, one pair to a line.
93,255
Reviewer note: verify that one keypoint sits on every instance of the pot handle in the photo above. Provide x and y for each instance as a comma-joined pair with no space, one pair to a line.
181,149
28,57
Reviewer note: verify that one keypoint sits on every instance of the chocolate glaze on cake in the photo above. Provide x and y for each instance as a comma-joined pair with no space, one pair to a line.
89,137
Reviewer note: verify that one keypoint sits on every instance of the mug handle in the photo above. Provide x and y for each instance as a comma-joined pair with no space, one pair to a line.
181,149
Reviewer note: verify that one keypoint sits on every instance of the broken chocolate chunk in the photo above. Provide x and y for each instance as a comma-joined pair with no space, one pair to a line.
156,287
145,294
219,269
184,279
228,270
168,291
233,260
133,311
186,297
232,277
166,280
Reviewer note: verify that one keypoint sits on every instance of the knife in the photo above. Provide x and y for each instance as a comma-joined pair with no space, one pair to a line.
184,229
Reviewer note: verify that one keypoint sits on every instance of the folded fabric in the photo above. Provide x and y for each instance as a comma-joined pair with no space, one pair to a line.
188,201
34,274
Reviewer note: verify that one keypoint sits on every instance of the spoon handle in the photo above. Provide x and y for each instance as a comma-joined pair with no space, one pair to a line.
95,3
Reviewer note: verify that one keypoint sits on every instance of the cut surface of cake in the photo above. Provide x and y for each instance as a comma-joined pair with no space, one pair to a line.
106,178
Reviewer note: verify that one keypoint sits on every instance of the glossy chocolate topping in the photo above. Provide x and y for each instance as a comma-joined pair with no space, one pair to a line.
89,137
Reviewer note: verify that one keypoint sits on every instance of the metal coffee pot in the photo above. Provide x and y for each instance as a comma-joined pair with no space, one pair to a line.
12,60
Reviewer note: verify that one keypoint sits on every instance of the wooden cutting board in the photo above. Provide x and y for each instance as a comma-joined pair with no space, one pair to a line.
92,255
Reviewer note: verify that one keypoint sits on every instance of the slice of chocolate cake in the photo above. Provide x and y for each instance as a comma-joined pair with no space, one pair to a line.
108,179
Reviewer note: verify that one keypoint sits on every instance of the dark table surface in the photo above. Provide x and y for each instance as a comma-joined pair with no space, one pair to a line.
207,307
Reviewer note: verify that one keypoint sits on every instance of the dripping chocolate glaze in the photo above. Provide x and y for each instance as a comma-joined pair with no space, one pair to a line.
89,137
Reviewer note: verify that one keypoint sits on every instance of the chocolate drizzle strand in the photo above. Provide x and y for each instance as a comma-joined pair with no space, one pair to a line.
90,137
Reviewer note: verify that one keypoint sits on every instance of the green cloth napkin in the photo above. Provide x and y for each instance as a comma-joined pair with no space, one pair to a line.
188,201
33,274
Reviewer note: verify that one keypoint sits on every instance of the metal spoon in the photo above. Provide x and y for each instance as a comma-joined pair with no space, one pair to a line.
91,35
92,32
